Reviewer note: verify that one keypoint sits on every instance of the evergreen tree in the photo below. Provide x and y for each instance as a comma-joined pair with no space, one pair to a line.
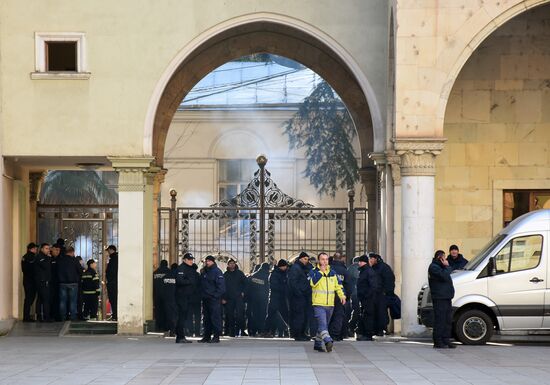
323,128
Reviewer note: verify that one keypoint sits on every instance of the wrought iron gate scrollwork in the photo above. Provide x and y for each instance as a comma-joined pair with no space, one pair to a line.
263,224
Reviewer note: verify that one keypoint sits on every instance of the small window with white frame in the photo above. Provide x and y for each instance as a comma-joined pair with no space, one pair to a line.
60,55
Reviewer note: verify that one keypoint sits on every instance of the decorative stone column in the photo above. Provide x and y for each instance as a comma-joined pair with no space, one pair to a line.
417,222
36,179
369,179
158,180
135,242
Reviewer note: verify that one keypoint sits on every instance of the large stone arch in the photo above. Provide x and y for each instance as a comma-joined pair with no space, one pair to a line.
265,33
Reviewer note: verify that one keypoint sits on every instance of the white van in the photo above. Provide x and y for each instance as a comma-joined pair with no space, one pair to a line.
505,288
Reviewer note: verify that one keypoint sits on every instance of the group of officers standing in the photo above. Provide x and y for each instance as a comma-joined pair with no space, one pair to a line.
274,300
63,285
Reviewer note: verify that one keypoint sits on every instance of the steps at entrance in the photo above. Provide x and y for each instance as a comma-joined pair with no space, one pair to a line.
91,328
36,329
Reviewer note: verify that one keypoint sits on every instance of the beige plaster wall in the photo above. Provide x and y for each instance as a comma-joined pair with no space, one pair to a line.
498,128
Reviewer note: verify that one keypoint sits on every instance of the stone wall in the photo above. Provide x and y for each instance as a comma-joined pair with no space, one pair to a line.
497,124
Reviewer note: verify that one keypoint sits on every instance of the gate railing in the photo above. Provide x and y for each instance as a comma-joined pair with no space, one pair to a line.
262,224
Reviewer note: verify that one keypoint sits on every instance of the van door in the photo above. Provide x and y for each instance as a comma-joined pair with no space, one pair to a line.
519,286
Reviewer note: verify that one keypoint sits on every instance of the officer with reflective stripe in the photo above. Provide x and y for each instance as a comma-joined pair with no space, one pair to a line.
90,290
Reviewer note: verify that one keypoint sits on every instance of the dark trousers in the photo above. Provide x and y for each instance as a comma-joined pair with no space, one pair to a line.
193,323
91,302
184,308
212,312
80,303
355,315
112,293
299,315
258,314
54,302
234,316
337,320
277,315
43,303
30,295
372,312
442,321
68,293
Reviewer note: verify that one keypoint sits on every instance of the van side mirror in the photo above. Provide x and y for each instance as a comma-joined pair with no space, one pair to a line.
491,267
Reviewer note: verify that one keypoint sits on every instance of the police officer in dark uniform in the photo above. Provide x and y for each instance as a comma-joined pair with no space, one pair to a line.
43,276
258,295
164,297
194,314
212,286
299,297
187,281
29,284
337,326
111,274
277,309
233,299
371,297
55,254
388,287
354,311
442,291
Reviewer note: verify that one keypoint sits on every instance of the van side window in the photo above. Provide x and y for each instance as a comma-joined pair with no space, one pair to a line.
522,253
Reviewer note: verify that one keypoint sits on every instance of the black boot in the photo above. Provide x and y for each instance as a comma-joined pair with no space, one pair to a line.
215,340
182,340
205,339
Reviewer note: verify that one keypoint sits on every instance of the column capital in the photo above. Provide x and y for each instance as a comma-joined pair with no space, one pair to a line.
368,177
388,158
36,180
418,155
133,173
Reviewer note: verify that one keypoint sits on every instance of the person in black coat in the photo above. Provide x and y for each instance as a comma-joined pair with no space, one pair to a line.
258,295
299,294
111,274
277,309
68,275
29,284
187,282
164,297
55,254
43,276
338,324
388,287
212,286
90,291
233,299
371,297
442,292
194,314
455,259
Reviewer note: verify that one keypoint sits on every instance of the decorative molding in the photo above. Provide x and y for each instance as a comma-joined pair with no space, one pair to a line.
369,179
388,158
36,179
40,70
418,155
134,173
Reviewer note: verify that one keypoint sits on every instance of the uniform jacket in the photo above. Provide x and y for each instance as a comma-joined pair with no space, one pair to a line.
298,283
458,263
258,283
353,272
278,285
235,284
90,282
440,281
111,272
42,268
386,275
369,283
68,269
27,266
324,285
187,282
343,275
212,283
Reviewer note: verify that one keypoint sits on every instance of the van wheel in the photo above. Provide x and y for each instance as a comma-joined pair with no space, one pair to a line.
474,327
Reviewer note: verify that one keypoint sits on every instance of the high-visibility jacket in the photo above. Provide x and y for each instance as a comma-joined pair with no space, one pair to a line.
324,285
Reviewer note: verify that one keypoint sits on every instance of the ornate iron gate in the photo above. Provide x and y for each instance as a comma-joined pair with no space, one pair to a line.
262,223
89,229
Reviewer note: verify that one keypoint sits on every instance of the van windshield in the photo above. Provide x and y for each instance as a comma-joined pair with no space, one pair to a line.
474,263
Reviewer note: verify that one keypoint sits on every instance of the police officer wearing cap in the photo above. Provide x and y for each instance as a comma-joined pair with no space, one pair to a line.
187,281
29,284
299,297
277,309
212,286
371,296
111,273
164,297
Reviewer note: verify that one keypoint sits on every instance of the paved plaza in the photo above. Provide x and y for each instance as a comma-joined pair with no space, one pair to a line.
154,360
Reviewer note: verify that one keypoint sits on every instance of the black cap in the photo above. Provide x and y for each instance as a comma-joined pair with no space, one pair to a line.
282,262
164,263
111,247
375,256
231,260
31,245
210,258
453,247
303,254
188,256
60,241
90,261
363,258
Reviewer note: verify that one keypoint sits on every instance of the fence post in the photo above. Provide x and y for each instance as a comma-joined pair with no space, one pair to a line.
173,227
350,247
261,160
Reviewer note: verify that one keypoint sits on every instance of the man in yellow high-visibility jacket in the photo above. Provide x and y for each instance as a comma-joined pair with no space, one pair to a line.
324,286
